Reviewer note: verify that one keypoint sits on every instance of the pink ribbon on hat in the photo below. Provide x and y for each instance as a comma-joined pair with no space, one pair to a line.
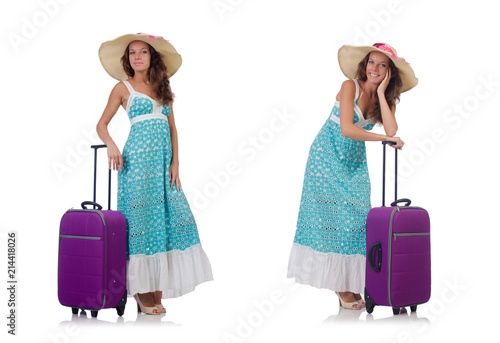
389,50
152,37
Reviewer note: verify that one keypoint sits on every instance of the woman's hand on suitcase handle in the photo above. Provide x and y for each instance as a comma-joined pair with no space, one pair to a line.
115,161
399,142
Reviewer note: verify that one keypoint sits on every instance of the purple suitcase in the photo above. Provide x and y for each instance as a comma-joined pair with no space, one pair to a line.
92,257
398,253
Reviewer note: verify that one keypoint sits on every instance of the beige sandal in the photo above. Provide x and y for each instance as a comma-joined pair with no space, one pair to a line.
144,309
348,306
161,308
360,301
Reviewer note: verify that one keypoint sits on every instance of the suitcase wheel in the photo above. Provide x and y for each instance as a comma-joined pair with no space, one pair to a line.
74,310
369,307
370,304
93,314
120,310
395,310
413,308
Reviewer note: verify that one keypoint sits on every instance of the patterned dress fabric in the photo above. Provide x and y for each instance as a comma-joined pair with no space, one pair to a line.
329,244
164,251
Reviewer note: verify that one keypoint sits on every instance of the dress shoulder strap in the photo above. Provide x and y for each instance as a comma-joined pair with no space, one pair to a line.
357,89
129,86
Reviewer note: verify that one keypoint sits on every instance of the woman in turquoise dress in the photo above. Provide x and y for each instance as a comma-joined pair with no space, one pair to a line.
164,256
329,245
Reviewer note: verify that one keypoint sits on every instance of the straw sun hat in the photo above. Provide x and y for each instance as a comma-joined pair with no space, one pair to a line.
111,52
350,56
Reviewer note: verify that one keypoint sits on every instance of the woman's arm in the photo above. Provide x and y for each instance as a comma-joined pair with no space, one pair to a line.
347,127
174,165
115,100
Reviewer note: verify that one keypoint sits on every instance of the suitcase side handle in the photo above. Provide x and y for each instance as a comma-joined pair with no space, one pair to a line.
378,266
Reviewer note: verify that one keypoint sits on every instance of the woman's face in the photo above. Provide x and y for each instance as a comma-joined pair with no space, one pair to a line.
377,67
139,56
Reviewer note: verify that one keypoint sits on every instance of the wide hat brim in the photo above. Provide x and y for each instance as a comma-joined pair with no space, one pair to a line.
349,57
111,52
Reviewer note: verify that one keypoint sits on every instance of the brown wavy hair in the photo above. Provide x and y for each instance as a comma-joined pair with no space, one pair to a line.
157,75
393,90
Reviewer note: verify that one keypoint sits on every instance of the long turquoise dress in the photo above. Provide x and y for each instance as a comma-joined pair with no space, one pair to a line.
164,250
329,245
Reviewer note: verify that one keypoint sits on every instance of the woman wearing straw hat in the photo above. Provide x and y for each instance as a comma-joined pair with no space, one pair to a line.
329,245
164,258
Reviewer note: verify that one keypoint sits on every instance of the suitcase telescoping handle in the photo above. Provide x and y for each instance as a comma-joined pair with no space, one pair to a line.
396,200
93,203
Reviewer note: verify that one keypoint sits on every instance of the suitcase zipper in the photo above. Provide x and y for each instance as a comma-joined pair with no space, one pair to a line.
410,234
81,237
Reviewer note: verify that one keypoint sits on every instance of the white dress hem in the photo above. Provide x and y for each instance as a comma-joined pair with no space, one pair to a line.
337,272
174,273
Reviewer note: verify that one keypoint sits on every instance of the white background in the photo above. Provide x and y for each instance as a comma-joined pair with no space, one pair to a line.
246,64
